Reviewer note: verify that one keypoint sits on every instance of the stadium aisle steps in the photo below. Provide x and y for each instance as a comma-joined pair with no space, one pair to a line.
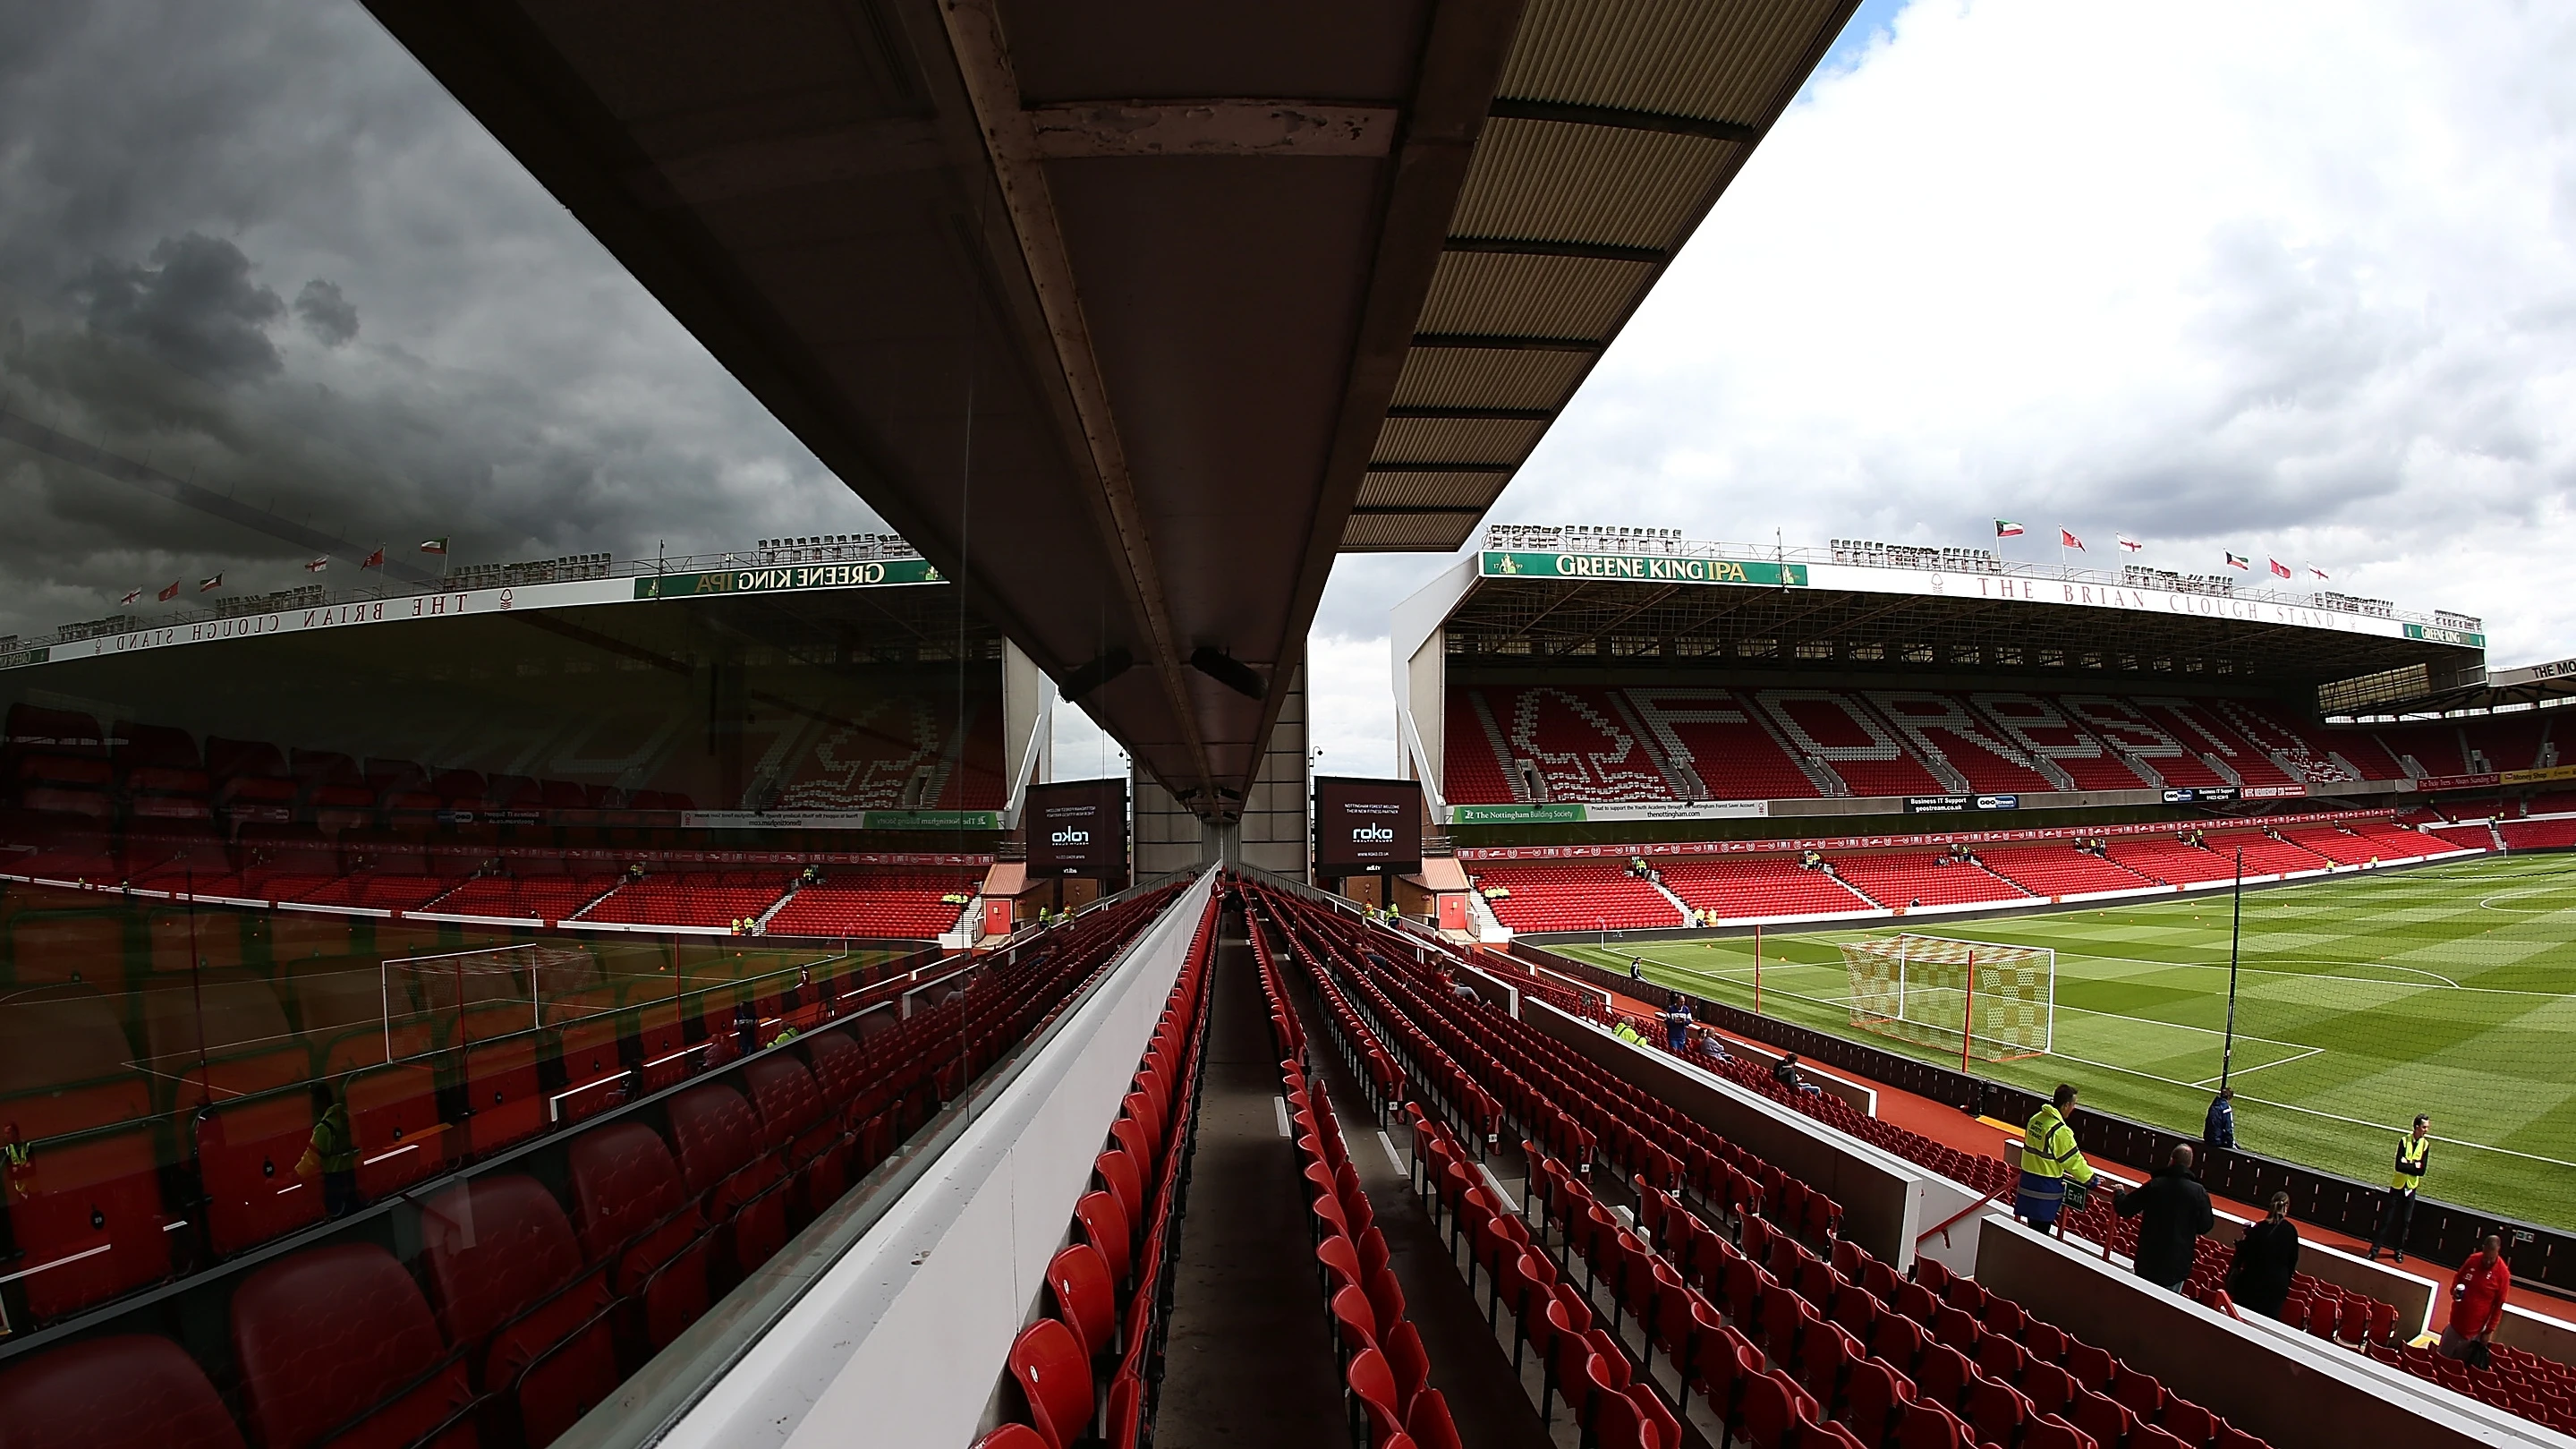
1252,1360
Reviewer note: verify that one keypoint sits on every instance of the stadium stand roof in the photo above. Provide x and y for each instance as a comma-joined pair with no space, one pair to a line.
2404,696
1648,598
1196,297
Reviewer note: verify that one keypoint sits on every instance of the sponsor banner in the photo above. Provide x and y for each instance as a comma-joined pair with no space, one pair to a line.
841,819
1077,827
2538,777
1644,568
1515,814
1938,804
2200,795
2274,792
1999,802
1871,842
2459,782
2436,634
790,579
1570,814
402,608
1367,825
23,657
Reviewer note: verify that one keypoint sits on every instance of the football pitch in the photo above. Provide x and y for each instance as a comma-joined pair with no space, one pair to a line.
2361,1000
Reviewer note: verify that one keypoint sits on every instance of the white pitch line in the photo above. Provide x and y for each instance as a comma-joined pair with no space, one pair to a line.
2249,1071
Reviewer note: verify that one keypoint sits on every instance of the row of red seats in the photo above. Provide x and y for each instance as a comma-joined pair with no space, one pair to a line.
2515,1380
1993,1177
533,1313
1088,1363
1552,1093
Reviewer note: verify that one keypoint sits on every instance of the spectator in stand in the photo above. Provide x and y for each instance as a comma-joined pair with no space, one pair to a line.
2397,1213
1713,1047
2218,1129
332,1154
1636,968
2050,1160
1627,1032
2477,1303
2172,1210
1677,1025
2267,1258
1785,1072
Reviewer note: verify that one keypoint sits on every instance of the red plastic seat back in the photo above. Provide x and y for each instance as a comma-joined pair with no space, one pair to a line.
1086,1297
1104,1225
623,1181
246,1157
331,1335
1050,1367
130,1392
91,1224
714,1134
783,1092
493,1247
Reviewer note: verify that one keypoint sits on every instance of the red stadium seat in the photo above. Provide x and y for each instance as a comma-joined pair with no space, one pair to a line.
723,1162
90,1223
503,1099
128,1392
1054,1373
247,1153
339,1338
634,1215
394,1122
511,1288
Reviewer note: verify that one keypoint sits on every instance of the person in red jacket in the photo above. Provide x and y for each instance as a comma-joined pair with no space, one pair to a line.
2477,1302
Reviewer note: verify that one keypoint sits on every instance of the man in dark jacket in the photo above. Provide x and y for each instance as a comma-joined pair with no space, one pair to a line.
2218,1128
2267,1258
2172,1212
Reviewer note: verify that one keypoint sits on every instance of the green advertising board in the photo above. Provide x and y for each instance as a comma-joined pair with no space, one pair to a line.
1642,568
2436,634
1515,814
790,578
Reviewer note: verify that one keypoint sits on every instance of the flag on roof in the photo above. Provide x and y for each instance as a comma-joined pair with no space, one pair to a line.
205,586
2320,573
375,560
2068,540
132,594
2280,569
433,545
2006,528
317,565
2239,561
172,592
2129,545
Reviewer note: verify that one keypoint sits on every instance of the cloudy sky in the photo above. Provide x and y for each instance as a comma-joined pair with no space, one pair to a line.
2293,278
255,246
2289,279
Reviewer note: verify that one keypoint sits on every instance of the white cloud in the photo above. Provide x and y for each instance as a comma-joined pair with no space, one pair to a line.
2296,279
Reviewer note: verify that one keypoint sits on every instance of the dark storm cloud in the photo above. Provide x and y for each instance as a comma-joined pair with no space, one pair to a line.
329,316
169,173
195,308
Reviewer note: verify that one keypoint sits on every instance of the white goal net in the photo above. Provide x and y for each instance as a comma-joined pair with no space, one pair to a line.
475,995
1989,1000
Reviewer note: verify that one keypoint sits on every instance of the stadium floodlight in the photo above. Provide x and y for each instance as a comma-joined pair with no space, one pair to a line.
1992,1001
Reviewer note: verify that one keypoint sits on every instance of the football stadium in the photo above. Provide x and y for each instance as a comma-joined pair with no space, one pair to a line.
687,995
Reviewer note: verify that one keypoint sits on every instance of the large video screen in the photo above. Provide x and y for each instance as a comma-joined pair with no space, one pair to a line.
1078,827
1367,826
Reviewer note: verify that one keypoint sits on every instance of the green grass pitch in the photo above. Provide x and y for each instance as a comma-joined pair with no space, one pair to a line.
2362,1000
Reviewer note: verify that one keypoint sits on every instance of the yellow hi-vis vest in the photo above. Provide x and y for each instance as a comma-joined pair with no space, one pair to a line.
2412,1157
2048,1148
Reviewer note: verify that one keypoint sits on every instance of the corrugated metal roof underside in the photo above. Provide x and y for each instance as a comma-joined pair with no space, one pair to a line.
1644,112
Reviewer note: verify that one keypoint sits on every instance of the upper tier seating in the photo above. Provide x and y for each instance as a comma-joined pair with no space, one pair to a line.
1575,896
1647,743
2557,833
1774,886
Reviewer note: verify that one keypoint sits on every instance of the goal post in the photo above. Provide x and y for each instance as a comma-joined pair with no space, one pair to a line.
504,988
1987,1000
